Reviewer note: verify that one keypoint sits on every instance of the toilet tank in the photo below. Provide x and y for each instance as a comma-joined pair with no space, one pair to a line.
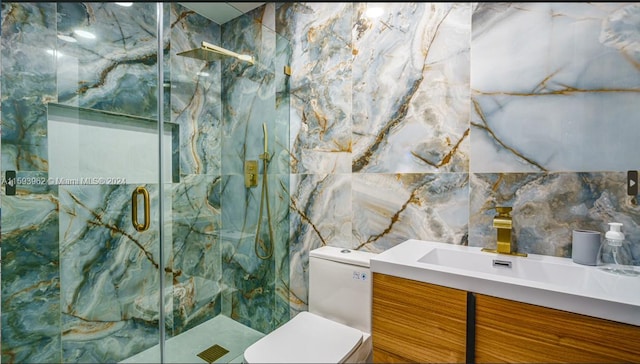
340,286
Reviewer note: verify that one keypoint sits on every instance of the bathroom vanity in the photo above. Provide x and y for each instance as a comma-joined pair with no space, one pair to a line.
435,302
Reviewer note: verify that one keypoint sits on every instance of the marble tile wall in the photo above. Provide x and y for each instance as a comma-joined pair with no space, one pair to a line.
30,289
419,122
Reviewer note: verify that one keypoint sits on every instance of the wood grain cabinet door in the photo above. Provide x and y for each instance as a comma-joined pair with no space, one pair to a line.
417,322
515,332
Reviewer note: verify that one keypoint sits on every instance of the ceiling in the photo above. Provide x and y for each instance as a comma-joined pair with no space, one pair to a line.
221,12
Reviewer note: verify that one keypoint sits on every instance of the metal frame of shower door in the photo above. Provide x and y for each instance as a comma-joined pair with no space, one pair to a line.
160,111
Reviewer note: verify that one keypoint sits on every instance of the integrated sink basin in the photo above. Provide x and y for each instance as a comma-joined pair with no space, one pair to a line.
548,281
531,268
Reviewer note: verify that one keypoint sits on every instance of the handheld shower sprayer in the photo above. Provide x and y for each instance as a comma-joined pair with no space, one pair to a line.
265,156
259,244
266,138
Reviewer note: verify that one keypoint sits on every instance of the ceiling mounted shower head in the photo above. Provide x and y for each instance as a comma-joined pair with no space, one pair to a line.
210,52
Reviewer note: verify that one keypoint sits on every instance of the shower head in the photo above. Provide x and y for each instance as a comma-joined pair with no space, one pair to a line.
210,52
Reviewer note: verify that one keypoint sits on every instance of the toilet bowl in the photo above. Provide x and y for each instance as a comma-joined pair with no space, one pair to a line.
337,327
309,338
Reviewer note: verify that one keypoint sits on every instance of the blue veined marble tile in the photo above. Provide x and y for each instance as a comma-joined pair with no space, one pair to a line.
321,86
554,87
199,122
195,223
28,82
195,93
26,116
313,223
246,35
105,342
195,300
249,95
24,157
281,308
115,70
197,266
320,215
108,272
411,88
251,105
30,279
251,279
548,206
389,209
280,162
280,207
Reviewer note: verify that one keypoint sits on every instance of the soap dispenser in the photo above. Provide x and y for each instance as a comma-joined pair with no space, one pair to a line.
615,253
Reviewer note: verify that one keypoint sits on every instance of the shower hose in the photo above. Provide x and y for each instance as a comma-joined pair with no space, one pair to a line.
259,244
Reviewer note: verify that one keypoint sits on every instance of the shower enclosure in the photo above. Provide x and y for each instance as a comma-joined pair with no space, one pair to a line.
125,165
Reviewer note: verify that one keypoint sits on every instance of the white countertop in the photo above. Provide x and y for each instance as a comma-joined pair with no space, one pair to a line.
548,281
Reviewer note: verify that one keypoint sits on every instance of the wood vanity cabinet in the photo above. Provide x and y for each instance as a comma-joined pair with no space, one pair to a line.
516,332
421,322
417,322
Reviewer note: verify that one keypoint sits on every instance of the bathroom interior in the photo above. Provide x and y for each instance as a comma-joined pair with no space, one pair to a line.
151,173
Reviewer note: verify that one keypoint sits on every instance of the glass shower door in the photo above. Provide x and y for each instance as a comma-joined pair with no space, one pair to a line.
81,215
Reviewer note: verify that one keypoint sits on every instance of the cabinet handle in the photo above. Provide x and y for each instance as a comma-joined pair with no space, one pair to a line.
134,209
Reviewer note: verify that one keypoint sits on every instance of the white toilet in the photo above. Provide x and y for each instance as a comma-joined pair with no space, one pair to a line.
337,327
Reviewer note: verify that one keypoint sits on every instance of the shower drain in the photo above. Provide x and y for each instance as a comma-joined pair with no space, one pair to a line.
213,353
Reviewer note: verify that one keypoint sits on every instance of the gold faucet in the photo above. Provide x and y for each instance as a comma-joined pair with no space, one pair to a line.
502,222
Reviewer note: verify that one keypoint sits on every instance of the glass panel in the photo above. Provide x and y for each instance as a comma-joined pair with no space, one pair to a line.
224,296
81,270
79,102
281,169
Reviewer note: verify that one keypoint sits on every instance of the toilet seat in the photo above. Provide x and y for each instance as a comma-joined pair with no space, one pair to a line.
306,338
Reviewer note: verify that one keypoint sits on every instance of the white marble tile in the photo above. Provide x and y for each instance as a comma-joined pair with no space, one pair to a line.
553,86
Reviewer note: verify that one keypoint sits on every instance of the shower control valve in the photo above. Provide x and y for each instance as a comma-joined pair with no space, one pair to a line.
250,173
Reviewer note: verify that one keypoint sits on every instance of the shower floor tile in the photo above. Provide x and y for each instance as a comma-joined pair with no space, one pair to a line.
185,347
